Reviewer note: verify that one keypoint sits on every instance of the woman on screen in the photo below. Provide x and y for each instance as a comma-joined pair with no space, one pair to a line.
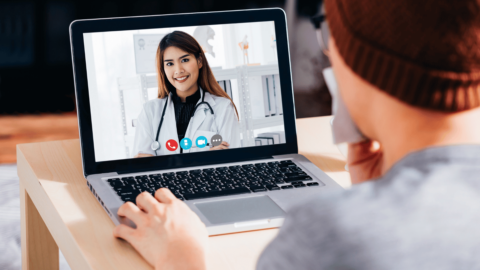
192,112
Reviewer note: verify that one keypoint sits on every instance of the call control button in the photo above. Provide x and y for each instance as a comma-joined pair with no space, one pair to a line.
216,140
171,145
186,143
201,141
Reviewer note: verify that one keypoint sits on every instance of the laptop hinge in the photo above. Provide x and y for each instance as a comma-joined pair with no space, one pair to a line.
203,165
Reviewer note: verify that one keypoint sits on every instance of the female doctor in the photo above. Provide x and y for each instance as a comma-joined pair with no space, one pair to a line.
191,105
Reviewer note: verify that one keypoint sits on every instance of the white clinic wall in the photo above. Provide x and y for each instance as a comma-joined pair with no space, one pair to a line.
110,56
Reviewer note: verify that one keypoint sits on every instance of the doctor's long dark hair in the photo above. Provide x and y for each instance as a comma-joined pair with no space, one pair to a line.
189,44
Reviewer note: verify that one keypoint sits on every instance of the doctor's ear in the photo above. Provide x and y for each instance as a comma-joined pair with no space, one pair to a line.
200,62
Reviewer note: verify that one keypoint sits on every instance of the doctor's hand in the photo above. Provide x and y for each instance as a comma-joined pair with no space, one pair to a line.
143,155
223,145
168,235
365,161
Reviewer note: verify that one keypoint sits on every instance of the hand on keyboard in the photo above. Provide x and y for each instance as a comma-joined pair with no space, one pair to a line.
168,234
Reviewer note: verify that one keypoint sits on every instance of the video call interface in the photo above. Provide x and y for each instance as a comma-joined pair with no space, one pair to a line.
240,107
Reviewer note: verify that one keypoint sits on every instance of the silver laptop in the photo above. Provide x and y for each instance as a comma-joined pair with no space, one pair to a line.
201,104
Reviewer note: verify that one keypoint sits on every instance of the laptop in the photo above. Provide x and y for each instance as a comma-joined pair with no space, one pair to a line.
129,146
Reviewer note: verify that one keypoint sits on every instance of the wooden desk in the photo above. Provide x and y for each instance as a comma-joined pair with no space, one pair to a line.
59,211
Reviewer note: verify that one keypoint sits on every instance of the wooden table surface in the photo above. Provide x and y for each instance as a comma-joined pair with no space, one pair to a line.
59,211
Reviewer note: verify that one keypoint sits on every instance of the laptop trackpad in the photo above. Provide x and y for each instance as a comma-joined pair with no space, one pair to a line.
238,210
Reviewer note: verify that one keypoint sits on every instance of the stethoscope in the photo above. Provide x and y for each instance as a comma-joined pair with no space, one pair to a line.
156,145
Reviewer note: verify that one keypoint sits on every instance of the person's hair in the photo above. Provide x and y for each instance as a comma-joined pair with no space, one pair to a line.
187,43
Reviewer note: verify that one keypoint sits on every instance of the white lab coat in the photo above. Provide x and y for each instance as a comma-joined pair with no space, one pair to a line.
200,125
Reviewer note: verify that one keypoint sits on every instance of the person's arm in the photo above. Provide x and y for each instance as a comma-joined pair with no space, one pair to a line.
223,145
143,155
168,235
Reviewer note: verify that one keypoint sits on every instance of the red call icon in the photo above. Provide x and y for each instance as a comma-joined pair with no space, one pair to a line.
171,145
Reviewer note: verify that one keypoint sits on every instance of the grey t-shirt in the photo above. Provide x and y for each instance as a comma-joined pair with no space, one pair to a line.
424,213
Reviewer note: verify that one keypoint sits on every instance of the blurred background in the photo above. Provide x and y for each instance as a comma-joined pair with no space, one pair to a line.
37,99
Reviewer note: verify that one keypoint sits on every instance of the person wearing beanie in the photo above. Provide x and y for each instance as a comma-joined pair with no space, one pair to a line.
408,72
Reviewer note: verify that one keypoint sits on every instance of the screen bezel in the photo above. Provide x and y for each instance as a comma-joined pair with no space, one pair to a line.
90,166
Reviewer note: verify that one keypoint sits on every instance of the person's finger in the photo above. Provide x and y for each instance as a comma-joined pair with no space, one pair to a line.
219,147
359,152
225,143
132,212
164,195
365,161
124,232
143,155
146,201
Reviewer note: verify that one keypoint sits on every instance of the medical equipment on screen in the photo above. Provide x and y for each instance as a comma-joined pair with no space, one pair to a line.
156,144
244,47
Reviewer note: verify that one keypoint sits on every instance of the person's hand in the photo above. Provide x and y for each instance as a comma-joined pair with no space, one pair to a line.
143,155
223,145
365,160
168,235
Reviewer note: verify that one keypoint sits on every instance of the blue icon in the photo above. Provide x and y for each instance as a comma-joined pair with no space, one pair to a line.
186,143
201,141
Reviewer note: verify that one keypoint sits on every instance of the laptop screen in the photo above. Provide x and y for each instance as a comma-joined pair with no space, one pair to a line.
181,90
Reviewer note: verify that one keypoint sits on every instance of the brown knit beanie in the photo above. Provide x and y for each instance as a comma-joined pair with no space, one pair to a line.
423,52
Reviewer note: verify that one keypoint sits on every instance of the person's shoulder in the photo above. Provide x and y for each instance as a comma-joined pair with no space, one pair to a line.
323,224
366,219
153,107
220,100
336,201
222,103
154,104
317,225
341,210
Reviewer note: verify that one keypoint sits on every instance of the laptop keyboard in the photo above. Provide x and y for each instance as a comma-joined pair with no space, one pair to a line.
214,182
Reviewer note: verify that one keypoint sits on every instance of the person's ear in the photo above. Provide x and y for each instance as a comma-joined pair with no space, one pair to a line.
200,62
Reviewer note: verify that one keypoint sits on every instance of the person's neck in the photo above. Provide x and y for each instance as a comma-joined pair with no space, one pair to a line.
401,131
184,94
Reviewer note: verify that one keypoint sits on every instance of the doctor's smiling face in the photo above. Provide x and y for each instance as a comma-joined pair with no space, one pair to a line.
182,67
182,70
